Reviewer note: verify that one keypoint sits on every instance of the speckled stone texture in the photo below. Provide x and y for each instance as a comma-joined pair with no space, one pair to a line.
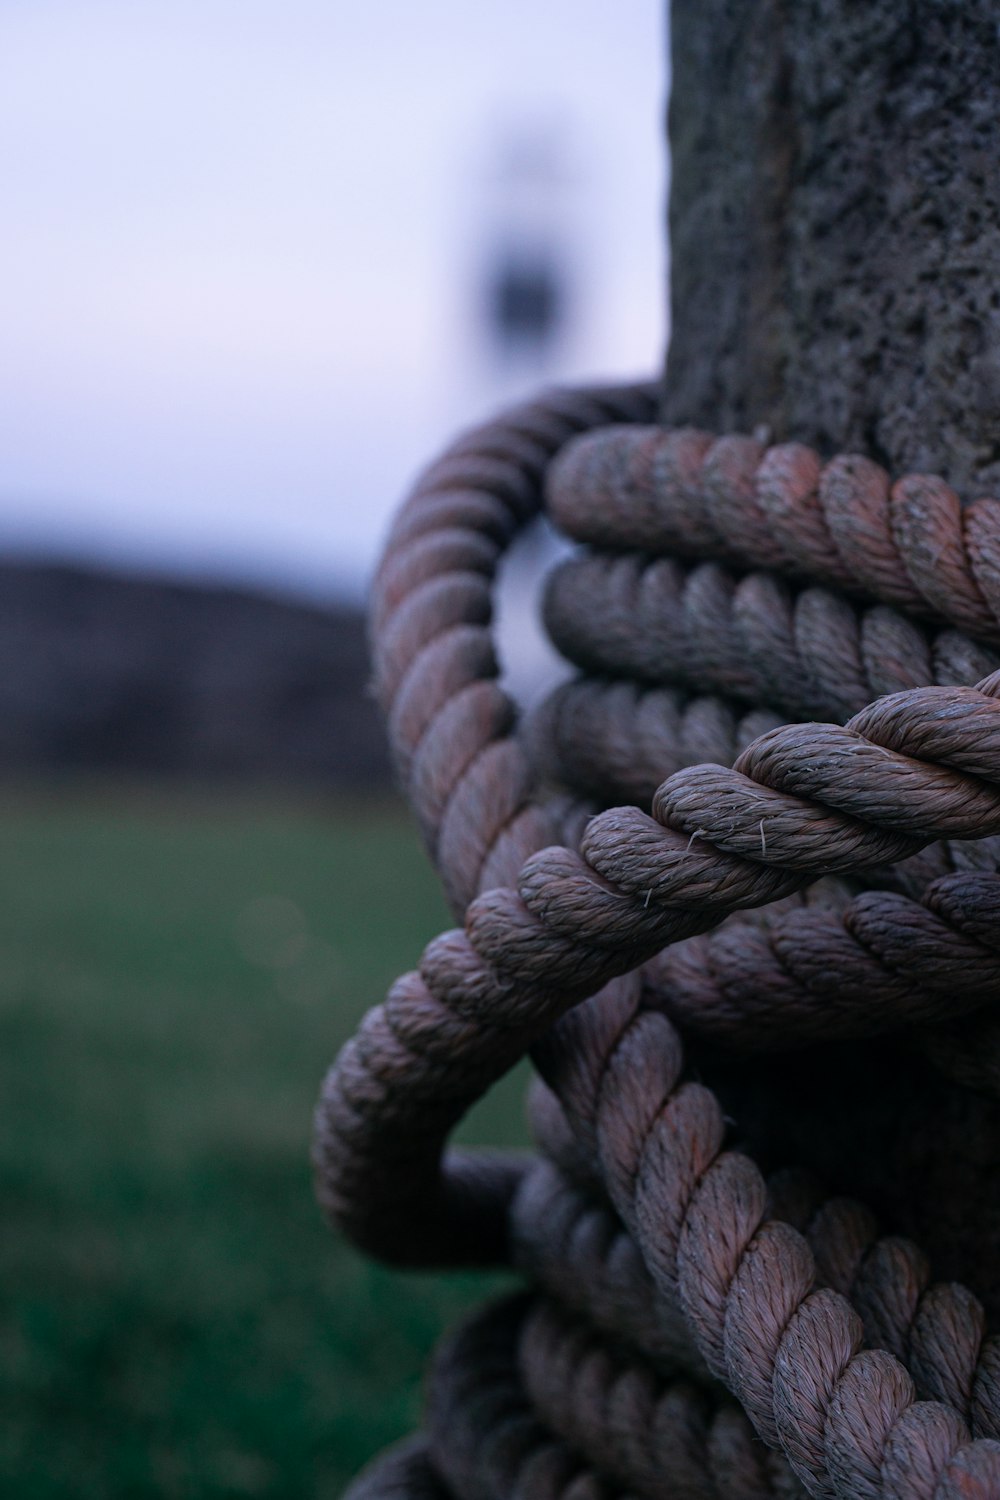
835,224
835,227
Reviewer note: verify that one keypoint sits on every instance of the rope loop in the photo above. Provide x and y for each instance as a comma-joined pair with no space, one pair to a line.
760,823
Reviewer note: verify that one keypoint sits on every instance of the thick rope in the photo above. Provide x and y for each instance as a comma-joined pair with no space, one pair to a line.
403,1473
910,544
485,1436
807,652
871,1380
450,722
573,1246
801,802
692,1245
653,1436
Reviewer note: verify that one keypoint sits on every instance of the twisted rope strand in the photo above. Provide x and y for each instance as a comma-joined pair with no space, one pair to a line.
582,1255
405,1472
435,665
614,741
752,1294
484,1436
911,543
807,652
779,1313
938,1332
662,879
814,973
577,1250
651,1436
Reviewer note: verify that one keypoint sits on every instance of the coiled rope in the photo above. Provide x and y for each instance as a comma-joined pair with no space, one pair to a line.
696,1327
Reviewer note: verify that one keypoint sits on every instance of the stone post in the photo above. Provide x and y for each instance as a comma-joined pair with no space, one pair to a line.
835,227
835,245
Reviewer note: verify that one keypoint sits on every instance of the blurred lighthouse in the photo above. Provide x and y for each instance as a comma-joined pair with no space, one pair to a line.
524,325
523,288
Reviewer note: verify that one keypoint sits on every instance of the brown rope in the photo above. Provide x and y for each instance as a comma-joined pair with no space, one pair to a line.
807,652
403,1473
786,587
653,1436
573,1246
609,1039
485,1436
909,544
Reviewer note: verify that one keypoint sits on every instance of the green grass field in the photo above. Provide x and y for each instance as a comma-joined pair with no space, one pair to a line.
176,973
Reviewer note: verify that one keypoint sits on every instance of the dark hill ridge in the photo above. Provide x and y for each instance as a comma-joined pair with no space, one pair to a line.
108,671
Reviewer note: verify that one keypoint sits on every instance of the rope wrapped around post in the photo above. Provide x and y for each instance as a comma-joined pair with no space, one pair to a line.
694,1323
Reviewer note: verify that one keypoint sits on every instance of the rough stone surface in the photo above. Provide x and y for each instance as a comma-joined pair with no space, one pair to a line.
835,227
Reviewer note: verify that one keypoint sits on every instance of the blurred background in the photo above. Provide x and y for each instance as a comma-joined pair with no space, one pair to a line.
259,262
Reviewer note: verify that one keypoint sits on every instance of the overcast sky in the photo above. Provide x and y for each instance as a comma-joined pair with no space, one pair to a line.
240,246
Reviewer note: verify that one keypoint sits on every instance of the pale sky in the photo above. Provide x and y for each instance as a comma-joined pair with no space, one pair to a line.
238,249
